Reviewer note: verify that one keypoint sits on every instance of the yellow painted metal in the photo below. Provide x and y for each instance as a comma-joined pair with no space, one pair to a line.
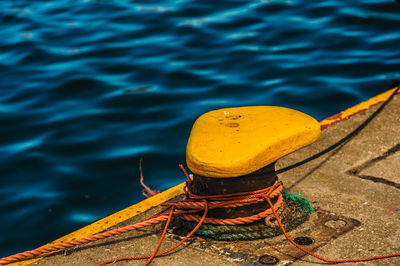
114,219
237,141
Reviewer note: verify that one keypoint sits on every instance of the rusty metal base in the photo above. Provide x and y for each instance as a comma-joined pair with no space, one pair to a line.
321,227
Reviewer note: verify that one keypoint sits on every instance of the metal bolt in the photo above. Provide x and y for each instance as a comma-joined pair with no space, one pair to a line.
303,240
268,260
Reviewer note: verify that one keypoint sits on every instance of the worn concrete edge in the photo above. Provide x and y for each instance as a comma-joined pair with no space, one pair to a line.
361,107
177,190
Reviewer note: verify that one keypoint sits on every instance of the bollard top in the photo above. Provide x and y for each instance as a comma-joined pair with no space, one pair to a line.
237,141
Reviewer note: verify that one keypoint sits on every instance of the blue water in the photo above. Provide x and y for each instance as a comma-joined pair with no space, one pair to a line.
87,87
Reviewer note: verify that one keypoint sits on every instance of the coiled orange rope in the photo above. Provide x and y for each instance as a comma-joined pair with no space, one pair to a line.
193,203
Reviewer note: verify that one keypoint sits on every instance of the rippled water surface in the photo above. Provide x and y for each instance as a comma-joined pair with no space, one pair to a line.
87,87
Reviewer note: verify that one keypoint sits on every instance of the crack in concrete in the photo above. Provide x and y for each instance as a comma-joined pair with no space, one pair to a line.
356,171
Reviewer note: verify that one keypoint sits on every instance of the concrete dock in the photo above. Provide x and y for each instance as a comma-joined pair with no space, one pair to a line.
358,185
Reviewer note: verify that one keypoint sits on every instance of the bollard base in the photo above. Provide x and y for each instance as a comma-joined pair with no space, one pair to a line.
295,211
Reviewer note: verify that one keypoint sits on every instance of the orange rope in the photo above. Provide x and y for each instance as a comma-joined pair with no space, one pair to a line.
161,238
147,192
168,250
37,252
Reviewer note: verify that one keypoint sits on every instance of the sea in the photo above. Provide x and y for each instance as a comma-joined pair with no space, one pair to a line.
88,87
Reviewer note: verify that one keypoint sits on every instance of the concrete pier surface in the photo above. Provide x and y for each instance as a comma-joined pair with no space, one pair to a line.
357,183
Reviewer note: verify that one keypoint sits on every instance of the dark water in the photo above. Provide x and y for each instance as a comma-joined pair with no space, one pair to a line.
87,87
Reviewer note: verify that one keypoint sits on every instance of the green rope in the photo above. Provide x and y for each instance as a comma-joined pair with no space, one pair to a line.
297,197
